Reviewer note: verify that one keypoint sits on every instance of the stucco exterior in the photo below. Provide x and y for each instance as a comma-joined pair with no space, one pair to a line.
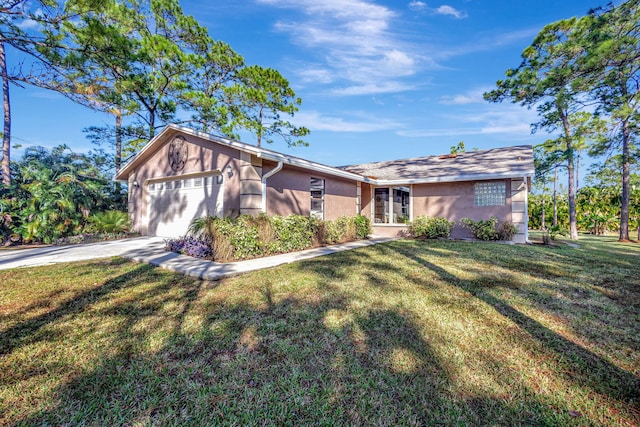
250,180
454,201
288,192
202,160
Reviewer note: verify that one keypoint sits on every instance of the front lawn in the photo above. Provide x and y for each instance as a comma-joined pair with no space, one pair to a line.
403,333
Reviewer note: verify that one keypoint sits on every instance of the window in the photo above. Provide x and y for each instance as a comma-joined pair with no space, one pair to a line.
400,205
177,184
152,187
317,198
394,209
491,193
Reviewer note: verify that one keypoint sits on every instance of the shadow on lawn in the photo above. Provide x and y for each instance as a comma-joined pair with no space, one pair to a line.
581,366
27,331
282,359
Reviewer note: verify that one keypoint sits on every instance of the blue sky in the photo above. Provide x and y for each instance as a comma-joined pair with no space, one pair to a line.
379,80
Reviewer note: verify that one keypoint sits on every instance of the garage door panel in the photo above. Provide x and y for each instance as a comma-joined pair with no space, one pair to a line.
171,211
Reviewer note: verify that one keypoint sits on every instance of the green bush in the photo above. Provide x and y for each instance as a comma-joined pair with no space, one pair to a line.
340,230
109,222
343,229
253,236
431,227
293,233
363,226
558,230
490,229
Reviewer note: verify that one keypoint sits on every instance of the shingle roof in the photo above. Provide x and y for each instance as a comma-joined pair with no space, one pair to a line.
514,161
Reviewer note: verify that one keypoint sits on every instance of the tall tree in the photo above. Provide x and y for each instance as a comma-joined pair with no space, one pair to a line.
133,57
208,93
260,99
26,27
541,181
546,78
613,67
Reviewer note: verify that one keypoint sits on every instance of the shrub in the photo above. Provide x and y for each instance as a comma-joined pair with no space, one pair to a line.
109,222
248,236
490,229
190,245
506,230
243,235
363,226
340,230
558,230
430,227
292,233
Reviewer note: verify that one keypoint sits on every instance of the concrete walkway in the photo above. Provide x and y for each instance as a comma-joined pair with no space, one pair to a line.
150,250
209,270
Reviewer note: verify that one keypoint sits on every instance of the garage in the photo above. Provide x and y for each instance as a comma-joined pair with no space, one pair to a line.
174,203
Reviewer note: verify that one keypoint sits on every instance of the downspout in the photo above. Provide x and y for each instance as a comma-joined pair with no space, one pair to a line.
266,176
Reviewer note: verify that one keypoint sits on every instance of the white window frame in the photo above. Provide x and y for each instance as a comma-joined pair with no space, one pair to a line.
390,202
316,185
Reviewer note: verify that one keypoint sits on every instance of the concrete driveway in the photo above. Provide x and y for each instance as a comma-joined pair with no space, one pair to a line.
150,250
56,254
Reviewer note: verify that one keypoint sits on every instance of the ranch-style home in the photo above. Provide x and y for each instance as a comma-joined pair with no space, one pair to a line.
183,174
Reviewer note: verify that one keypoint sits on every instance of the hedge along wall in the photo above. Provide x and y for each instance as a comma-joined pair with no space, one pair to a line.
256,236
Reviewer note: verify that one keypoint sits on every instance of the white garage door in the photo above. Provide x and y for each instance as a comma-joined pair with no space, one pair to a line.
173,205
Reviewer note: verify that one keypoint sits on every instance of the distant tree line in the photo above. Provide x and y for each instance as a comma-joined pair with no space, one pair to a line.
597,204
583,77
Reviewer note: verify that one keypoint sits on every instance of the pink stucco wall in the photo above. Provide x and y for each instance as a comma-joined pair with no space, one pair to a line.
455,201
288,192
202,157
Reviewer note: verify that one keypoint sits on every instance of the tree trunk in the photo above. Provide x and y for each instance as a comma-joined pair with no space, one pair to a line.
543,224
152,124
6,133
118,159
573,220
118,156
573,223
626,184
259,133
542,220
578,171
555,198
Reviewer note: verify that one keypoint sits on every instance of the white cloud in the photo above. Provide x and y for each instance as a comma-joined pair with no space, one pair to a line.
417,5
474,96
488,43
28,24
315,75
511,120
372,89
353,38
420,6
449,10
317,121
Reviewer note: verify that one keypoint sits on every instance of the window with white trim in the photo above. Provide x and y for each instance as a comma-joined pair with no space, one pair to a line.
391,205
317,197
491,193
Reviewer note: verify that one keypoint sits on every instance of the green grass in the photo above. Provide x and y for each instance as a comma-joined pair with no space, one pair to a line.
404,333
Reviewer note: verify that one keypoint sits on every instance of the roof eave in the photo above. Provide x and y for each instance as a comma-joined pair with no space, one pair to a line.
257,151
458,178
